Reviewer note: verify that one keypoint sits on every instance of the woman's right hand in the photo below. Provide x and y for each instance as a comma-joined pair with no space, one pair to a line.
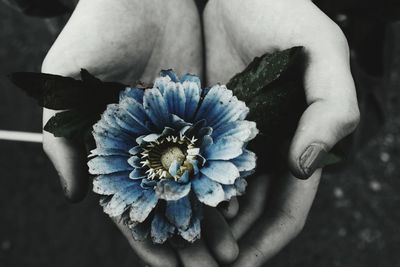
126,41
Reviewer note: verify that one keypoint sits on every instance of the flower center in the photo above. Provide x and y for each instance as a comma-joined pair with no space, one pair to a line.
170,154
159,155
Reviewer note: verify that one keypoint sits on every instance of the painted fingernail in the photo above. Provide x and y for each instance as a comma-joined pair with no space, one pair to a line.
312,159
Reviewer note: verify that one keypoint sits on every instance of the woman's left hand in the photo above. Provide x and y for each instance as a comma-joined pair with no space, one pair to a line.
235,33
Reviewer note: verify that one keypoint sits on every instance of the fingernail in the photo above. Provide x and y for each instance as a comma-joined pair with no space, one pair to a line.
312,158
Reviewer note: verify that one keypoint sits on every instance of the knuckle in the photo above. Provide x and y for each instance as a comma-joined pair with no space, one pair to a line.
350,119
354,119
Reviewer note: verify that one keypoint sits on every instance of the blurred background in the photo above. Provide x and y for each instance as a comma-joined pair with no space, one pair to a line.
355,219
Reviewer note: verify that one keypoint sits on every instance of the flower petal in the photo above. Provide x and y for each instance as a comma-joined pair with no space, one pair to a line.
156,108
175,98
240,185
184,179
193,232
104,140
191,78
151,137
120,201
242,130
140,231
229,191
137,174
107,136
204,131
178,123
246,161
223,106
208,191
168,131
194,129
223,172
206,142
135,150
142,207
104,200
232,112
100,151
108,164
169,73
174,167
224,149
132,117
236,189
134,161
135,93
148,184
111,183
179,212
112,129
170,190
212,102
161,229
109,118
161,83
192,91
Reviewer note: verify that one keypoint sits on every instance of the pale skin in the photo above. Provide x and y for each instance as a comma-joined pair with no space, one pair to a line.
130,40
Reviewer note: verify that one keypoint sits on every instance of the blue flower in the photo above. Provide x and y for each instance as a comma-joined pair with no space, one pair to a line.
164,152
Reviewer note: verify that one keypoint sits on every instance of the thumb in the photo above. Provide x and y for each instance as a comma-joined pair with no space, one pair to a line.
321,126
332,111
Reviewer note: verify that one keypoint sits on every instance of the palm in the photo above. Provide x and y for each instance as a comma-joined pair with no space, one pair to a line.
128,41
240,32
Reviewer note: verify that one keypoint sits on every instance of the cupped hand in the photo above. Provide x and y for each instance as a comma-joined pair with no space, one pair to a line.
235,33
127,41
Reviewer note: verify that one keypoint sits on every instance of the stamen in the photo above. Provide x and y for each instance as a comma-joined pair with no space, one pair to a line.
160,154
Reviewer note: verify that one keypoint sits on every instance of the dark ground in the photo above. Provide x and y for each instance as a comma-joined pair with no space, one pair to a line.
355,220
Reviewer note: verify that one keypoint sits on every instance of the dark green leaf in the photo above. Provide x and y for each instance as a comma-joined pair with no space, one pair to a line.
51,91
59,93
330,159
272,87
261,72
85,99
72,124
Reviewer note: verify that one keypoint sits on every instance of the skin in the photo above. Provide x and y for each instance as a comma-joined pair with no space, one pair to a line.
235,33
145,43
130,40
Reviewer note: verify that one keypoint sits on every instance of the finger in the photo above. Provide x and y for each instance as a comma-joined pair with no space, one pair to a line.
151,254
218,236
332,111
282,221
69,159
196,255
252,205
229,209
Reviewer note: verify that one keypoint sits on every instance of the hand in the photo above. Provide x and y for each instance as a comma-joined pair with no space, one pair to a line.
235,33
129,40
